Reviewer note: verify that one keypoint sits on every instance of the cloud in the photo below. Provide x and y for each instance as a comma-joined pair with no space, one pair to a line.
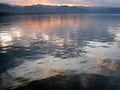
74,2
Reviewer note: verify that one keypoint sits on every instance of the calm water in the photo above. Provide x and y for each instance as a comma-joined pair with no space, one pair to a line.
40,46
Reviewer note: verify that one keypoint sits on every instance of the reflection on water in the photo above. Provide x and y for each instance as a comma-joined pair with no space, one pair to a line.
108,67
40,46
74,82
116,32
5,39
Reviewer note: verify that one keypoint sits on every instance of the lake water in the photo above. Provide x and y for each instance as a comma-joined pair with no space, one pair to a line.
41,46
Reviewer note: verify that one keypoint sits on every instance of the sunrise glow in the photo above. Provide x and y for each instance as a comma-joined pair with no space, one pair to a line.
64,2
48,2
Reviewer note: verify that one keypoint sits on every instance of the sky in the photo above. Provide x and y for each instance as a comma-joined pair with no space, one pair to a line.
65,2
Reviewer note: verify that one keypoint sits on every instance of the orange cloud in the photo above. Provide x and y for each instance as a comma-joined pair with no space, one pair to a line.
49,2
32,2
65,2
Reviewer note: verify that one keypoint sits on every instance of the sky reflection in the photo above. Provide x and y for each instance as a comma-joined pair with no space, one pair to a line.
62,36
47,45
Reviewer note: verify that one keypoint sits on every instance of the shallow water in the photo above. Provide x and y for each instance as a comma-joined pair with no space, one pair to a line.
41,46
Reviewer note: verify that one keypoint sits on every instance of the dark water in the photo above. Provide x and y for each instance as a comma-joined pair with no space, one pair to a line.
40,46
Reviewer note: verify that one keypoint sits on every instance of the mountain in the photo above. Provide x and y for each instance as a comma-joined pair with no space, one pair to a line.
41,9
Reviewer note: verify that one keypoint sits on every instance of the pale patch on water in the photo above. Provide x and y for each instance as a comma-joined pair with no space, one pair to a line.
47,67
106,50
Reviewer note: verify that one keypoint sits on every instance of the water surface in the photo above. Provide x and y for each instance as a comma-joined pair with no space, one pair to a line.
40,46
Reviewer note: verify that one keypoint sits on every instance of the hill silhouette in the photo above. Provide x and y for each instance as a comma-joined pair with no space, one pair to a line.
46,9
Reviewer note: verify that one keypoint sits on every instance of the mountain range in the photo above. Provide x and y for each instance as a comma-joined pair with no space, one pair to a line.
6,9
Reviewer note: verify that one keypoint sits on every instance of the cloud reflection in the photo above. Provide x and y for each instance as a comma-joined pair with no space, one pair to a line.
108,67
16,33
60,36
46,35
5,39
116,32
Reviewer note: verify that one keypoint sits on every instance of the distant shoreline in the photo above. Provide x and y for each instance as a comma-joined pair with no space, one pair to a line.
8,14
47,9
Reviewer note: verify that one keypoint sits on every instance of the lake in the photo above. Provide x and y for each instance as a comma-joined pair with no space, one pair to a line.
36,47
